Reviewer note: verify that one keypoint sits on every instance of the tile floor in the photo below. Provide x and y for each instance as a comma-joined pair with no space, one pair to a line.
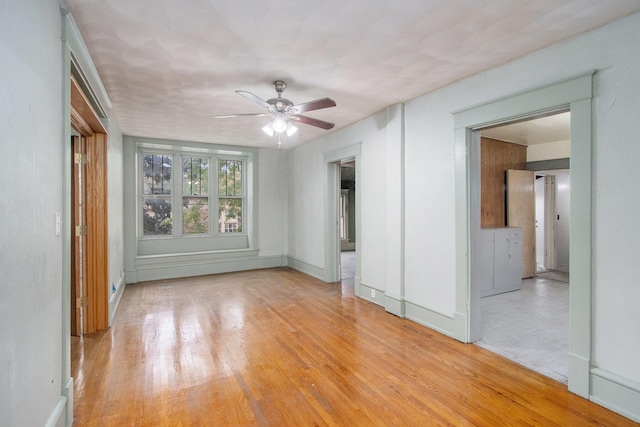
531,326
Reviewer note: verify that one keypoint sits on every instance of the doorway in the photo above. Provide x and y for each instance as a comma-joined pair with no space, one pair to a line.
89,305
333,231
347,220
530,325
574,95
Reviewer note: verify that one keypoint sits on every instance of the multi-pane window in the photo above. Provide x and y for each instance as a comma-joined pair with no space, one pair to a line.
162,196
230,196
195,195
156,192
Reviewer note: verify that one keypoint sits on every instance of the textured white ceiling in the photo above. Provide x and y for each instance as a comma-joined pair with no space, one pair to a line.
170,65
543,130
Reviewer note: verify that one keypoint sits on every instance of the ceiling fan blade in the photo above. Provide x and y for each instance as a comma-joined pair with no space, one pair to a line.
253,98
313,122
314,105
227,116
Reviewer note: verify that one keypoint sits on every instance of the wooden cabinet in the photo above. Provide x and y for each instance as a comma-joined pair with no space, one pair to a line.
500,264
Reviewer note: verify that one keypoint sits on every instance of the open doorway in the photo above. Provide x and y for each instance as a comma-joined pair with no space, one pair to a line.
349,155
347,220
528,320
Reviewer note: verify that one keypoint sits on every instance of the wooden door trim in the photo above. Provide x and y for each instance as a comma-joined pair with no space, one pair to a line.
83,117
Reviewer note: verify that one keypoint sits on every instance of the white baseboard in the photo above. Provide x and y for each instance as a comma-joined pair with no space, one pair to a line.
616,393
372,294
67,392
115,299
306,268
159,267
395,304
57,418
579,376
443,323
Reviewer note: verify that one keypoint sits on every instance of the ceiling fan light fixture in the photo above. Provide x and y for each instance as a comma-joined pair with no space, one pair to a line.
281,111
279,124
268,129
291,129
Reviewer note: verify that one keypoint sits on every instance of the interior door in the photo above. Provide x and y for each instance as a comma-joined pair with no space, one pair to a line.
90,257
521,213
79,243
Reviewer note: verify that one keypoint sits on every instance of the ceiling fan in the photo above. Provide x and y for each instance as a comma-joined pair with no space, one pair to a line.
282,112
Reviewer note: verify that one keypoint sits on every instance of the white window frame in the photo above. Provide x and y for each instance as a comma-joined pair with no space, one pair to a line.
243,197
213,240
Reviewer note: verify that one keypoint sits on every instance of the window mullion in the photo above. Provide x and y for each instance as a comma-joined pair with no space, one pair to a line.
177,197
213,195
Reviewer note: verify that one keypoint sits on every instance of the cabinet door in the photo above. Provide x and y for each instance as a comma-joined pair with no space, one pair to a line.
501,262
485,266
515,259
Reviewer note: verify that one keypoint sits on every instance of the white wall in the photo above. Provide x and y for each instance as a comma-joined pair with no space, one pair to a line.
271,206
307,178
614,51
429,272
549,150
115,199
32,188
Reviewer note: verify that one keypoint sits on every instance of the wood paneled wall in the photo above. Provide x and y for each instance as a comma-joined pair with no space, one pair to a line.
496,157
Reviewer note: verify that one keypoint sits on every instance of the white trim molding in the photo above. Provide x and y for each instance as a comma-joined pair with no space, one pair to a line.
171,266
306,268
57,416
616,393
116,296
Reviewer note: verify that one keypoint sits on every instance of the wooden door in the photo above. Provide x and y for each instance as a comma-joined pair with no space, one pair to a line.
79,241
90,290
521,213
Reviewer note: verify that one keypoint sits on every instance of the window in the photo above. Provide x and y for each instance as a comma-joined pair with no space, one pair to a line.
156,195
161,194
195,199
191,197
230,196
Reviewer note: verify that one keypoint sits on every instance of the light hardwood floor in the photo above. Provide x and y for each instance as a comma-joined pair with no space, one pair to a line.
279,348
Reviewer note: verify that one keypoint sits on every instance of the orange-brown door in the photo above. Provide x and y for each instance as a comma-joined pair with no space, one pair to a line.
521,213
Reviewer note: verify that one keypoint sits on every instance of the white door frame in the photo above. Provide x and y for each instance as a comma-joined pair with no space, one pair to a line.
332,160
575,96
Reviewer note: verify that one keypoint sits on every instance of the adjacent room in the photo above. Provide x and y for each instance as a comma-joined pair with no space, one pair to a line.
525,303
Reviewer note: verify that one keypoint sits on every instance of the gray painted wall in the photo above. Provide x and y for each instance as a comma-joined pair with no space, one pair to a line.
32,193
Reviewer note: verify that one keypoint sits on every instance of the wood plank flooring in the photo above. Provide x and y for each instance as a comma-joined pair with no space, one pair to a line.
279,348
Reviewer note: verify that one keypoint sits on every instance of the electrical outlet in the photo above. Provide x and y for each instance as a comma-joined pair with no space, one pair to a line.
373,293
